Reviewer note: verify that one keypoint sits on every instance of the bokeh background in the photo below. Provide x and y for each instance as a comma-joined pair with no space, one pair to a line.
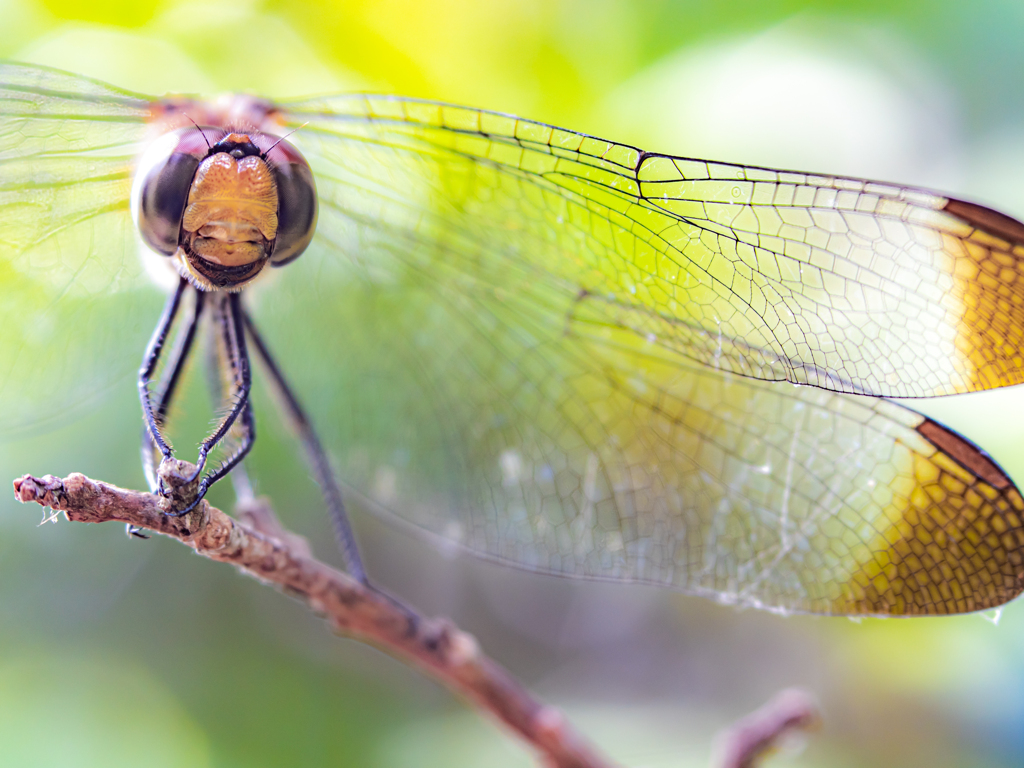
117,653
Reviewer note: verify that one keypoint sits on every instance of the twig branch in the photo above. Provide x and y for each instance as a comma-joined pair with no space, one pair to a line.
757,735
261,548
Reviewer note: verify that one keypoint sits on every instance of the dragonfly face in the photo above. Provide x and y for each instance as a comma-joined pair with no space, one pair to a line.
576,357
223,205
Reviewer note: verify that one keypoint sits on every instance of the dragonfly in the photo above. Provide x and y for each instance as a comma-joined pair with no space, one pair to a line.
558,352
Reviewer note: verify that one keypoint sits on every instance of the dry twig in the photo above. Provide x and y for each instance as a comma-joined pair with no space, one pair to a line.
258,546
261,548
757,735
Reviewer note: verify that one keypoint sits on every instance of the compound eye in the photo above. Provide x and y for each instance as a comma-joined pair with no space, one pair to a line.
160,192
297,206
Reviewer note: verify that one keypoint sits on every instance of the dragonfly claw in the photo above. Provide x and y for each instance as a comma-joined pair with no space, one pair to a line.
180,486
134,532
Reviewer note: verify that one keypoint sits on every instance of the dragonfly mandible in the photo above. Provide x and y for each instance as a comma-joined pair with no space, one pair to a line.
564,353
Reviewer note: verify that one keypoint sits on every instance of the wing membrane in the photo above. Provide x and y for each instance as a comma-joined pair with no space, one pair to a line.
563,353
479,385
849,285
73,289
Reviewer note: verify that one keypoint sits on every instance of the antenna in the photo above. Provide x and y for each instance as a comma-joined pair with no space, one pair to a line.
294,130
201,132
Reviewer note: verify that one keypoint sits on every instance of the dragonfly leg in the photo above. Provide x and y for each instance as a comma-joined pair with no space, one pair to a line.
248,424
166,389
173,368
149,363
316,455
220,389
229,319
168,385
231,364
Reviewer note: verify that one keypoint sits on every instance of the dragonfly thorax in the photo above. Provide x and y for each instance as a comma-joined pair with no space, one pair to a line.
224,204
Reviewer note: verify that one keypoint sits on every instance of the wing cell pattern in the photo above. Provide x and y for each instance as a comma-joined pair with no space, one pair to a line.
845,284
73,288
571,355
493,394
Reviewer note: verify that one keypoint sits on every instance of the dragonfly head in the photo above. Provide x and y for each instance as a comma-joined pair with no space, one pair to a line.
224,204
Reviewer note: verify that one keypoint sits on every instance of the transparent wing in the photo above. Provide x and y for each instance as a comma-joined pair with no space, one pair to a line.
503,358
72,293
849,285
505,323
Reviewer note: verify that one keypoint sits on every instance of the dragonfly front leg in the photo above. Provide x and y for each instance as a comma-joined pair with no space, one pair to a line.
233,360
173,368
229,319
152,416
167,388
220,386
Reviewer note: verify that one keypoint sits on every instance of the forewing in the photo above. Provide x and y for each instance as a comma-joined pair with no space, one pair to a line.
72,290
849,285
467,354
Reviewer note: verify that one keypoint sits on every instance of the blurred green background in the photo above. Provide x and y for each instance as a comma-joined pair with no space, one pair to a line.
137,653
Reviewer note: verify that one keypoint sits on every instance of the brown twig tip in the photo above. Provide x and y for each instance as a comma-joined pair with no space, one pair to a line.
46,490
259,546
761,733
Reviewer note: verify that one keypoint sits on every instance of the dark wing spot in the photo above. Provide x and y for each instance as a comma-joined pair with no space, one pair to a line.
993,222
965,453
